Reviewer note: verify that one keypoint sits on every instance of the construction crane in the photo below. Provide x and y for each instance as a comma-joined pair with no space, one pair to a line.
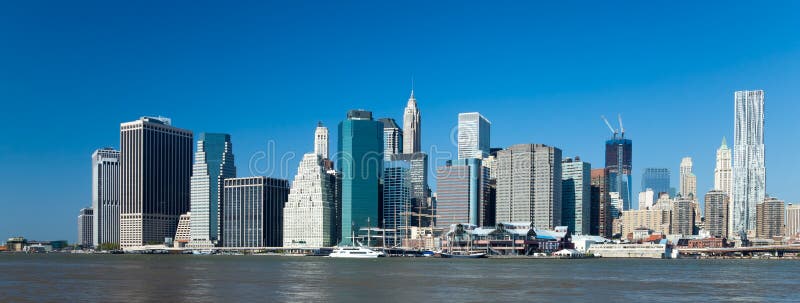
621,128
614,131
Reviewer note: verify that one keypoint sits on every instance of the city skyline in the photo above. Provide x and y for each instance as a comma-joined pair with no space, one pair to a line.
504,93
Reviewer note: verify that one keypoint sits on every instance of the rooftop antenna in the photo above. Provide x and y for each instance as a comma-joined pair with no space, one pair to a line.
613,131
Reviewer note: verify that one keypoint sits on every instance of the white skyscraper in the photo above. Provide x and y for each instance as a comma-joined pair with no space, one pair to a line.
473,136
688,180
307,215
105,196
392,138
412,126
723,173
321,141
213,163
749,172
646,199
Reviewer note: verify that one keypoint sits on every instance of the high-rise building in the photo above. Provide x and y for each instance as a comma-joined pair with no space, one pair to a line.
321,140
418,171
683,216
213,163
656,220
85,234
657,179
601,204
253,215
412,123
309,211
792,220
461,187
392,138
716,213
749,172
770,217
473,136
396,202
723,173
619,168
529,185
360,159
688,180
105,196
335,187
646,199
616,204
155,169
576,195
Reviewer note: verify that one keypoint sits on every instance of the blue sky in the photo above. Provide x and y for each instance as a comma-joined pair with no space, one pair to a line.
541,72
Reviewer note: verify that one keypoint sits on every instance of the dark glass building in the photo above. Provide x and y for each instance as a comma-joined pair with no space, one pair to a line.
656,179
618,168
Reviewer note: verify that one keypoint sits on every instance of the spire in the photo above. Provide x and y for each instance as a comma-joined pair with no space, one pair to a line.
724,142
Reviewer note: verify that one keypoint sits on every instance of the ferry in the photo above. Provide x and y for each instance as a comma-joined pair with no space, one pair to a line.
355,252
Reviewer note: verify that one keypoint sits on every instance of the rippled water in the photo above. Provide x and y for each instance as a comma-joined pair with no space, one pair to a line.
187,278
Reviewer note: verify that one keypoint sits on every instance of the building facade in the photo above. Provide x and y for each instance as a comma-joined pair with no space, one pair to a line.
253,215
105,196
688,180
360,160
155,170
474,136
657,179
770,217
749,171
717,204
85,227
321,141
412,124
655,220
396,202
213,163
392,138
683,216
309,212
461,188
619,167
723,171
792,220
646,199
420,191
601,204
576,195
529,185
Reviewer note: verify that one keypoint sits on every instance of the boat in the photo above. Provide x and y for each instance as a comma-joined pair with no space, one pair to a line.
355,253
464,254
203,252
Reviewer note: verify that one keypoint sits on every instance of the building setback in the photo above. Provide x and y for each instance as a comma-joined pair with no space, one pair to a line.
529,185
105,196
213,163
770,217
253,214
716,213
85,234
576,195
412,122
601,204
308,214
687,179
155,169
723,172
749,172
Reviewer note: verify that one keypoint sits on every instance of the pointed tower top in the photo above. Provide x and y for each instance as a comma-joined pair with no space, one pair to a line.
412,102
724,142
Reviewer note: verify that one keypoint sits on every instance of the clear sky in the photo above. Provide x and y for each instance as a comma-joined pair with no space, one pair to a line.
267,72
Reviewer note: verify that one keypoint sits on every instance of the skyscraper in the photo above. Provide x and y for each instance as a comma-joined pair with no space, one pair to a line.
749,172
792,220
770,215
360,159
619,167
253,215
418,172
213,163
85,234
646,199
657,179
473,136
576,195
688,180
105,196
723,173
716,213
601,204
309,211
682,216
529,185
461,187
392,138
155,169
396,201
412,123
321,140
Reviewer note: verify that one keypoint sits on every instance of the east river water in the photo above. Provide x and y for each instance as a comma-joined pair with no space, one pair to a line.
189,278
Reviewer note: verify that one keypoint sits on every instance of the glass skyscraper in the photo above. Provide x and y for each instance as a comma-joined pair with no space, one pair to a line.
253,214
749,171
576,195
656,179
213,163
360,159
105,196
473,136
618,165
396,201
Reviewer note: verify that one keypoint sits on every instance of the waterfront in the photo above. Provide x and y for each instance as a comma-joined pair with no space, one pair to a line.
184,278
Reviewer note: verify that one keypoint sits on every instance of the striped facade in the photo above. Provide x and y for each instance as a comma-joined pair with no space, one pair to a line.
253,211
105,196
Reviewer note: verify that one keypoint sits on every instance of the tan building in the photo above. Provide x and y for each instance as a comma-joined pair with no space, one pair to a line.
716,213
792,220
683,215
656,220
769,218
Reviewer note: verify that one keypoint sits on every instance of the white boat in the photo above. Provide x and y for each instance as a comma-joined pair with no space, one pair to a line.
355,252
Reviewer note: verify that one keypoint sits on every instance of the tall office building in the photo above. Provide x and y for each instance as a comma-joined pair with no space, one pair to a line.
105,196
253,215
418,172
723,173
576,195
396,202
412,123
155,169
309,211
213,163
473,136
601,204
392,138
749,172
321,140
657,179
619,167
529,185
615,200
360,159
688,180
683,216
792,220
646,199
335,187
461,187
716,213
85,233
770,217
